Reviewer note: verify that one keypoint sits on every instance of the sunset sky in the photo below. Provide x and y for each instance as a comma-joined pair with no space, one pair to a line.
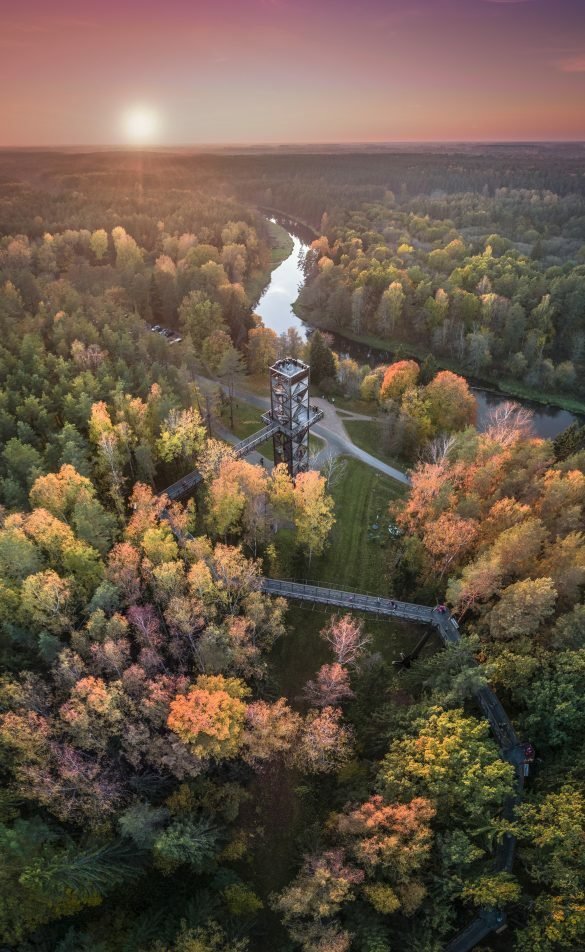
235,71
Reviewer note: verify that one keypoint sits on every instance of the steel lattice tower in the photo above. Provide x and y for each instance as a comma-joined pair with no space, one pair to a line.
291,410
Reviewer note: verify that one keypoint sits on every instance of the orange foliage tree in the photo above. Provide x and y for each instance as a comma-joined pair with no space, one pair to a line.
399,377
210,717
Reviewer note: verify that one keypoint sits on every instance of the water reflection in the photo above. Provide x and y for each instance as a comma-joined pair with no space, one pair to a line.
548,421
275,305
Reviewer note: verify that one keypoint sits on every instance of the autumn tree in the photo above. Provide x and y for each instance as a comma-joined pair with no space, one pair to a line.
441,761
45,599
99,243
71,497
271,731
330,687
262,349
110,441
200,317
551,831
313,512
182,436
346,637
448,540
452,406
325,882
399,377
392,841
281,494
210,717
325,744
238,501
522,608
391,308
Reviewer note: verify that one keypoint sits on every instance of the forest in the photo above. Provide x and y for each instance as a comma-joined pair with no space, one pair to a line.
189,764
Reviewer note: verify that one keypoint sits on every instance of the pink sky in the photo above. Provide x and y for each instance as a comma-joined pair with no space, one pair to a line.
292,70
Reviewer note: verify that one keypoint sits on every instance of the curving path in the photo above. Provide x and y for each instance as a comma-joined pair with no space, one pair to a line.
331,430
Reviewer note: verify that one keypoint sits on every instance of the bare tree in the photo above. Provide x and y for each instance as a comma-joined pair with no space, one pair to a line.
332,469
508,422
347,638
437,450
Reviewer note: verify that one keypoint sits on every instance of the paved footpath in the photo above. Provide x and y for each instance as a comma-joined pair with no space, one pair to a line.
330,429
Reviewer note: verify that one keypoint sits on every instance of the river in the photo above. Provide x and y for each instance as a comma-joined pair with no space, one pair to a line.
276,310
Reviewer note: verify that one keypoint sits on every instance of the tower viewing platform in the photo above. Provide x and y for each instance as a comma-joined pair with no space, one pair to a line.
292,412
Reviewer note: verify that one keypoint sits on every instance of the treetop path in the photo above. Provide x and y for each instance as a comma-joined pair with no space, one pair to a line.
187,484
288,423
511,749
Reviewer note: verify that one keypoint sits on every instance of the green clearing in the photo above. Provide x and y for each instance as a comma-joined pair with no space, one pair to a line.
355,556
281,243
366,435
284,811
296,657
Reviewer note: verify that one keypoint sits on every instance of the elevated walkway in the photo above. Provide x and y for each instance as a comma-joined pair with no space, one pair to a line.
256,439
488,920
187,484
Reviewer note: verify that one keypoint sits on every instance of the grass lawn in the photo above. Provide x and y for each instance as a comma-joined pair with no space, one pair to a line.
365,434
355,556
299,655
281,243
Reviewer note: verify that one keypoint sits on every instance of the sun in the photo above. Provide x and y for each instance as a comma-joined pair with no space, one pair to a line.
140,124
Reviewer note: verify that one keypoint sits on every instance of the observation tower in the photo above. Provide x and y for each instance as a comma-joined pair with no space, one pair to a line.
291,410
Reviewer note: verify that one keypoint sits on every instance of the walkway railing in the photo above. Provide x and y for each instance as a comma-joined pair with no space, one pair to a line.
187,484
488,920
255,439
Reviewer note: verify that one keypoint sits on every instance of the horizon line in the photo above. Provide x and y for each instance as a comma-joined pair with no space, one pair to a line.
129,147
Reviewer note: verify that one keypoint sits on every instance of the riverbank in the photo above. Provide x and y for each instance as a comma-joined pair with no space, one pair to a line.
281,248
503,387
